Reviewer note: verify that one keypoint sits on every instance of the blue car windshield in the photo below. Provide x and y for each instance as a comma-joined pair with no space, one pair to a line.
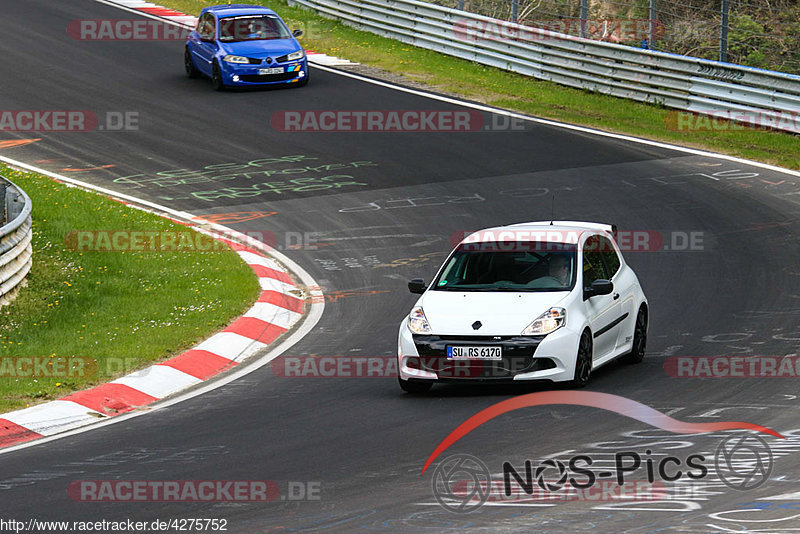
509,266
252,28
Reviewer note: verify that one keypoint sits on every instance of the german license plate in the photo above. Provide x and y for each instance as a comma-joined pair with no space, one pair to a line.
273,70
474,353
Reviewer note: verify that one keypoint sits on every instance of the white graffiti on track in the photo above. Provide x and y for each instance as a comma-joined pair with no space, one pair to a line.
257,168
297,185
350,263
413,202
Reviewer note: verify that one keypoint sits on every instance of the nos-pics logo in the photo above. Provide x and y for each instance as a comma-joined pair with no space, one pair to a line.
463,483
449,488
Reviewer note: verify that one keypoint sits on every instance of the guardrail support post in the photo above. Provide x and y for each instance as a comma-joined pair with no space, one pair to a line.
514,10
3,211
723,32
461,5
653,26
584,16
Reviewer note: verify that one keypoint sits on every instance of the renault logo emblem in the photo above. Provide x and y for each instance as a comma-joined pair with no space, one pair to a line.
476,325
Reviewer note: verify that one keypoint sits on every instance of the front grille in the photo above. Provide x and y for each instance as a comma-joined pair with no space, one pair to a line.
263,78
255,60
518,357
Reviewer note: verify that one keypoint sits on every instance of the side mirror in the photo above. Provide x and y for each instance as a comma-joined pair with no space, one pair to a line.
417,285
599,287
297,33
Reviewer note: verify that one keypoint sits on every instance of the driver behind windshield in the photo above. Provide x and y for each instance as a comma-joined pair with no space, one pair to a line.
559,269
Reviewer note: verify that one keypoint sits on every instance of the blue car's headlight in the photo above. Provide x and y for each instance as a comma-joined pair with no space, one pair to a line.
235,59
300,54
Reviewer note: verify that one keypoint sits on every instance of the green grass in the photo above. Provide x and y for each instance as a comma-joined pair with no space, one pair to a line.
120,309
520,93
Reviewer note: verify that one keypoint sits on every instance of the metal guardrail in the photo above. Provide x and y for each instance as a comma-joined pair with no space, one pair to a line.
759,97
16,252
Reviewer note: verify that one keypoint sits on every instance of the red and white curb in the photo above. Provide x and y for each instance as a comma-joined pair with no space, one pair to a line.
279,307
276,311
152,9
189,21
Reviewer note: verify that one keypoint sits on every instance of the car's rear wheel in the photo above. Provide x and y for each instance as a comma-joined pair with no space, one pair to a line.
414,387
216,78
583,363
188,63
636,355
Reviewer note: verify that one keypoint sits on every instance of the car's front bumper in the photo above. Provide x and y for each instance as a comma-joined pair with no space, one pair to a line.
246,74
550,357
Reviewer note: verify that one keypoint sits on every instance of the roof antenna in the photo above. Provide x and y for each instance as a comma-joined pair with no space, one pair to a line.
552,209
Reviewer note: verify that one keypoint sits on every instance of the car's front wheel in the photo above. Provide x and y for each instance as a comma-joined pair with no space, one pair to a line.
415,387
583,363
216,78
188,63
636,355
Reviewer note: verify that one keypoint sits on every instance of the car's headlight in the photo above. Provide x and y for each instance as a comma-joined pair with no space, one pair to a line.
300,54
235,59
417,322
549,321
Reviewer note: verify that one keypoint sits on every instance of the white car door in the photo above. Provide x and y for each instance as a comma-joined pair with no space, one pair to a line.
602,311
623,279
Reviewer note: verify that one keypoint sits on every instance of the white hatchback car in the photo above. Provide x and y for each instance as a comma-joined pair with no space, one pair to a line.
533,301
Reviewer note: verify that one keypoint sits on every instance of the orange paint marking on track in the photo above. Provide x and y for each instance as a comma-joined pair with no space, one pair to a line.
11,143
69,169
235,217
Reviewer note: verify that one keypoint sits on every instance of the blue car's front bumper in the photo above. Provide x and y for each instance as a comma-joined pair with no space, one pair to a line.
246,74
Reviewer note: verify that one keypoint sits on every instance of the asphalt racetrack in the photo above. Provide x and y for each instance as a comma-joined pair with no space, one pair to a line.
390,205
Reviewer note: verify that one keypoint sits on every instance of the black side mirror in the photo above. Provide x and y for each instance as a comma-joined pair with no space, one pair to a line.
297,33
599,287
417,285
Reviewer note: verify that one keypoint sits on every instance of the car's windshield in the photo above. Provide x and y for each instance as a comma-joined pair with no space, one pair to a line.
252,28
509,266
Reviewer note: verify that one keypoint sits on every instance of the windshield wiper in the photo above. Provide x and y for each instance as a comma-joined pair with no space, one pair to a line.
457,288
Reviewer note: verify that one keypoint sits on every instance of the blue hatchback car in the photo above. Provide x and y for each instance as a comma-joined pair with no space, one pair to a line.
243,45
